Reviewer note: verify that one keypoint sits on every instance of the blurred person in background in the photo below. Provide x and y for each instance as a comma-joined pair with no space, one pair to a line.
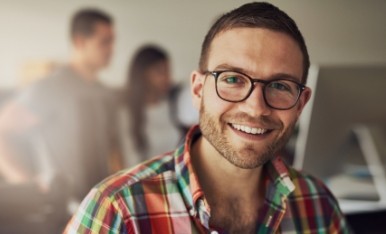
64,123
152,126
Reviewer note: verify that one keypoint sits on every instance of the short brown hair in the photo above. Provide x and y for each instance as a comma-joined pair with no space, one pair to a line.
83,21
256,15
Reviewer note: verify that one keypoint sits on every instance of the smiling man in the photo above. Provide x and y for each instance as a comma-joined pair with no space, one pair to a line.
228,177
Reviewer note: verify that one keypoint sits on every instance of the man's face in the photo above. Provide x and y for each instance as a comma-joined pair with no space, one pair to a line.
97,48
262,54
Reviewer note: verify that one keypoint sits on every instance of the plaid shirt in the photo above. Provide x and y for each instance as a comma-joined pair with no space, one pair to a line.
164,196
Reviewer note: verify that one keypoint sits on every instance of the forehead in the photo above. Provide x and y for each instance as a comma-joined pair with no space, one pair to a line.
259,52
102,28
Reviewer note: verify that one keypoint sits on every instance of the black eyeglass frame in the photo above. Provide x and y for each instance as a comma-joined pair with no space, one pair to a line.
216,74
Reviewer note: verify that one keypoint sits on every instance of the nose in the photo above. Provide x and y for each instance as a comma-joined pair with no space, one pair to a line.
255,104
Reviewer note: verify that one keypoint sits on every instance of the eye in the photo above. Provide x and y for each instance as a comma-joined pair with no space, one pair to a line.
280,86
232,80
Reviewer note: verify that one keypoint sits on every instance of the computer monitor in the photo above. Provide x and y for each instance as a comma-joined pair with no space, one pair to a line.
344,122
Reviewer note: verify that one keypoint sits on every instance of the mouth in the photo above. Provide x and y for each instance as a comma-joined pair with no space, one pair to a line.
253,131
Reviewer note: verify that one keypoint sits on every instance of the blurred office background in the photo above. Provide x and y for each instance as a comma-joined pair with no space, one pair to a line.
34,38
336,32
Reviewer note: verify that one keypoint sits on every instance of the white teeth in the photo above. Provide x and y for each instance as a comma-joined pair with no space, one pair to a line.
248,129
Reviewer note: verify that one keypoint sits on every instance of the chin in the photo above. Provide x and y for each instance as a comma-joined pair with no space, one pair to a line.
251,163
253,158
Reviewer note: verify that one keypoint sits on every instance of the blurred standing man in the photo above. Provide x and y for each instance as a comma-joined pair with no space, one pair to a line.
228,177
70,115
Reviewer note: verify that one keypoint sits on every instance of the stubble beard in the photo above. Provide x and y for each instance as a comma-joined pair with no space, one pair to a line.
248,157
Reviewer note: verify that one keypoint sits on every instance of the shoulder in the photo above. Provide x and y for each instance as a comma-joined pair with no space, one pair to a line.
312,200
125,182
39,97
306,184
110,205
116,203
311,189
48,85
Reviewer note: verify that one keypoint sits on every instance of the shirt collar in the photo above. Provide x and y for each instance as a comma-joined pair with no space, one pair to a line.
186,177
279,184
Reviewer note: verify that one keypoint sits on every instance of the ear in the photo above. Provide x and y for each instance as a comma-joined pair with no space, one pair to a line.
196,86
303,99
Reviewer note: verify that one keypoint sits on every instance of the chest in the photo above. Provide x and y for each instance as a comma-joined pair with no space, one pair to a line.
235,217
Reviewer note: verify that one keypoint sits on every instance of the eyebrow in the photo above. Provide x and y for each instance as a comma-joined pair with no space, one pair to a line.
228,67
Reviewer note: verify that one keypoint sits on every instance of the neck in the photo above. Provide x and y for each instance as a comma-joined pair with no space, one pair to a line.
219,178
81,67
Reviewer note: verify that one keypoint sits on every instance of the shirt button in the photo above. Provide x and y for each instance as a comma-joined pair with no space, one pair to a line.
192,212
214,232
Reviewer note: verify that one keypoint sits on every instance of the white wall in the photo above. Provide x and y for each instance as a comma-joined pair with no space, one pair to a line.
337,32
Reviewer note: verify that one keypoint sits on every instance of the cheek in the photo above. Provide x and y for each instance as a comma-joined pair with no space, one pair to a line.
93,52
98,50
214,105
288,119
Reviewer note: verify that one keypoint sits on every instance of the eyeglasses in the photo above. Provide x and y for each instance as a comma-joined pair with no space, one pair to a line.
280,94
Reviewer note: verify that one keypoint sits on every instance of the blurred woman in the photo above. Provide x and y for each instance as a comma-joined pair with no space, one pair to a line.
151,127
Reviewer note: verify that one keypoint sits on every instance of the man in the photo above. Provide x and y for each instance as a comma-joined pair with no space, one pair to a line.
68,129
228,176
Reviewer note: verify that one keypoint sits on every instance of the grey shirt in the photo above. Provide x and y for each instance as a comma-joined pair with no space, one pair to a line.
77,130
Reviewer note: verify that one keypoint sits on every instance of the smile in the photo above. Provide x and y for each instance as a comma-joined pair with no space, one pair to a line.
249,130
